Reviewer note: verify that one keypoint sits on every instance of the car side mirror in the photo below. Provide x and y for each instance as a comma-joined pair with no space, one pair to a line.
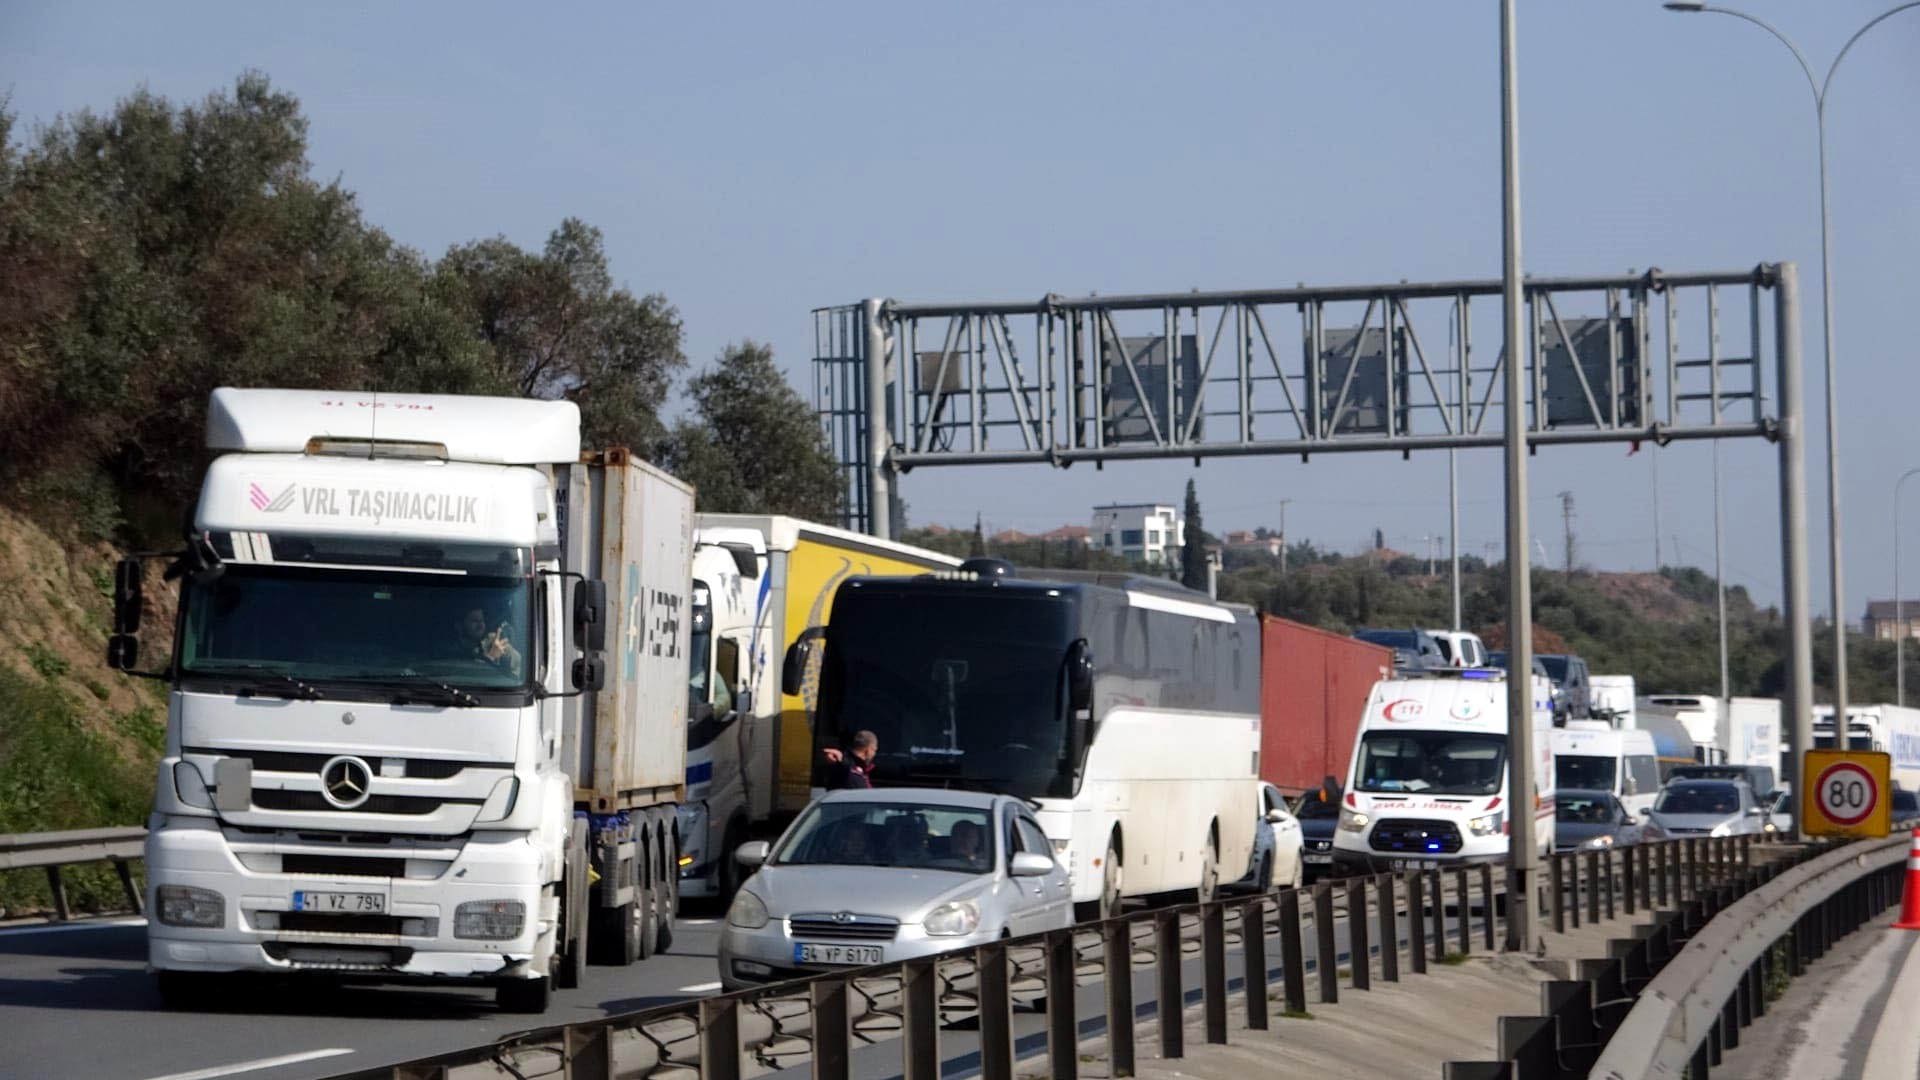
752,854
1646,811
1029,864
793,670
589,615
1275,817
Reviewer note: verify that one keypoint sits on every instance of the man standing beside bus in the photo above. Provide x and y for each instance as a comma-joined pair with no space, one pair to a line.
854,767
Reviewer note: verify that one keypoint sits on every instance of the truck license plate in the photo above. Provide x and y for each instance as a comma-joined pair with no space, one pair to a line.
343,903
836,954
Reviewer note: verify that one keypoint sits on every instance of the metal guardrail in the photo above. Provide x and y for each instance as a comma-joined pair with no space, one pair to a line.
1694,1008
53,850
959,1006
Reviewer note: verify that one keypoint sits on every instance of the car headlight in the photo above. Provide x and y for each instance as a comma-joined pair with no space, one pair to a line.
1488,825
1352,820
1725,828
748,912
489,920
1597,843
184,905
953,918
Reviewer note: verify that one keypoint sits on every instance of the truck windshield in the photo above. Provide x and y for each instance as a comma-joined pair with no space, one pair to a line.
1432,763
1586,771
272,622
961,687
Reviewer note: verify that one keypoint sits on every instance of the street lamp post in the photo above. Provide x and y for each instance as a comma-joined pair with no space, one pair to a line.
1819,89
1899,605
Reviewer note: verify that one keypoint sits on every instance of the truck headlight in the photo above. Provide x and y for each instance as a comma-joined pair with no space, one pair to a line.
1488,825
953,919
184,905
1352,820
748,912
190,786
1598,843
489,920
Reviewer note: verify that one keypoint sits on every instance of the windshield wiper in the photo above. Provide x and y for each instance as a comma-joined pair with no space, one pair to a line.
435,691
291,688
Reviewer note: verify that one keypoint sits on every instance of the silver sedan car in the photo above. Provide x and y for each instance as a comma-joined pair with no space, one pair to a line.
871,876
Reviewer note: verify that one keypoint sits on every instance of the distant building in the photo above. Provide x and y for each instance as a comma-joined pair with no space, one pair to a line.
1150,533
1011,536
1883,619
1069,534
1242,540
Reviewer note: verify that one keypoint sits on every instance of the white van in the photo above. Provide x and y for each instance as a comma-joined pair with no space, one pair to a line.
1428,783
1463,650
1595,756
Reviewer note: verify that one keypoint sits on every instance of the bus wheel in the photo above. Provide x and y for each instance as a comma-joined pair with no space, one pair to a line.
1209,888
1112,877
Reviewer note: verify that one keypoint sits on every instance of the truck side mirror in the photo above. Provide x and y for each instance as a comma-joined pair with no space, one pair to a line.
793,670
129,595
589,616
743,702
123,652
1079,676
590,673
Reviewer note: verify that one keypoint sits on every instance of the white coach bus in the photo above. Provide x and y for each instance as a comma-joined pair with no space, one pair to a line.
1125,708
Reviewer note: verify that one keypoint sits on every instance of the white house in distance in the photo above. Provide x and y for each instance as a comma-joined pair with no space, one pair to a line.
1151,533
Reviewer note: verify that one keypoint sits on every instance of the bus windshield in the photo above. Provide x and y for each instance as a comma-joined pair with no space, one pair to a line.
273,623
961,687
1431,763
1587,771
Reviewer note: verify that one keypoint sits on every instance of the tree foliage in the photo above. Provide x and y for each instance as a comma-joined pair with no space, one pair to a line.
752,445
1193,552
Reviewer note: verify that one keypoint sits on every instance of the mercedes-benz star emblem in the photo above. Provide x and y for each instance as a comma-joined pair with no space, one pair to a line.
346,782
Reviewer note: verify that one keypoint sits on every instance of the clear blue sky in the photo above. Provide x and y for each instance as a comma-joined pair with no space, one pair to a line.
753,162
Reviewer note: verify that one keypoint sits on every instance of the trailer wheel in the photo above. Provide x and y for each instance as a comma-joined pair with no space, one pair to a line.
666,896
646,910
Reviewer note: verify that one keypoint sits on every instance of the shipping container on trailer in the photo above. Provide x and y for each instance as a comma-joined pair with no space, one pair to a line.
1314,686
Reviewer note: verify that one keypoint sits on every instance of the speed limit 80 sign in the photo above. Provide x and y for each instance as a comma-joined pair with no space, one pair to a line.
1846,793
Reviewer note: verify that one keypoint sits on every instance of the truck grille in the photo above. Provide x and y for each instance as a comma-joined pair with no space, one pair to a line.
843,927
343,866
278,799
1415,836
280,761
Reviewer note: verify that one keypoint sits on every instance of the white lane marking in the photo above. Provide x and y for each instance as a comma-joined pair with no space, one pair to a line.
697,922
1895,1044
699,988
66,928
251,1066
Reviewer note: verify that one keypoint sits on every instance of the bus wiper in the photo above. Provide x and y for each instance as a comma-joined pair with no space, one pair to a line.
292,689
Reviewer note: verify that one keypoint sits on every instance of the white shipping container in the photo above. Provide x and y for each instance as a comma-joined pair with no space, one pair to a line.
630,524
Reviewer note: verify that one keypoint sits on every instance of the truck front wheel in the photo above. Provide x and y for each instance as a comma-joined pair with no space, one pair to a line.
524,995
185,991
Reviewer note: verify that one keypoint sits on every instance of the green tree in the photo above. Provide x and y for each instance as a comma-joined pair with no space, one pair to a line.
751,445
978,546
1193,552
559,328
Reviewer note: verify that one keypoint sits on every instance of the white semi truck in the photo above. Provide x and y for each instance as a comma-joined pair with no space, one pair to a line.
758,581
1890,728
394,750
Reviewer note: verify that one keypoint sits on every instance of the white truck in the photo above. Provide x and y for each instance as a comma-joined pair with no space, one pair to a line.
1613,699
1890,728
1748,732
1428,786
758,582
394,751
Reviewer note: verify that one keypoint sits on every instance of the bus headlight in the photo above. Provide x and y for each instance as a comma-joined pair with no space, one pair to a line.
1352,820
1488,825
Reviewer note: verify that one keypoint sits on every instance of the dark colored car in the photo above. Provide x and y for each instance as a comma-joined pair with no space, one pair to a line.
1592,821
1318,819
1906,805
1572,693
1413,650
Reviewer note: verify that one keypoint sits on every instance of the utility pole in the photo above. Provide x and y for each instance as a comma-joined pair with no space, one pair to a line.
1566,524
1654,456
1283,536
1522,799
1453,529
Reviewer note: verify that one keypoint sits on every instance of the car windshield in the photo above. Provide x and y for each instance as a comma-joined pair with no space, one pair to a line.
1392,639
1905,803
1556,667
973,696
1581,809
277,622
1699,799
1432,762
904,835
1584,771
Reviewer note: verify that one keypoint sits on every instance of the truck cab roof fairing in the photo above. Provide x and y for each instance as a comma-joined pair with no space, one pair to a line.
486,430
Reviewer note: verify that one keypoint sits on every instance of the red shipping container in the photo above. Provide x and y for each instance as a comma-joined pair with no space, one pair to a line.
1313,691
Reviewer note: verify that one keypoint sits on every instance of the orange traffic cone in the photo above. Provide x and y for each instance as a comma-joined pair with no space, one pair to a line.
1910,895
